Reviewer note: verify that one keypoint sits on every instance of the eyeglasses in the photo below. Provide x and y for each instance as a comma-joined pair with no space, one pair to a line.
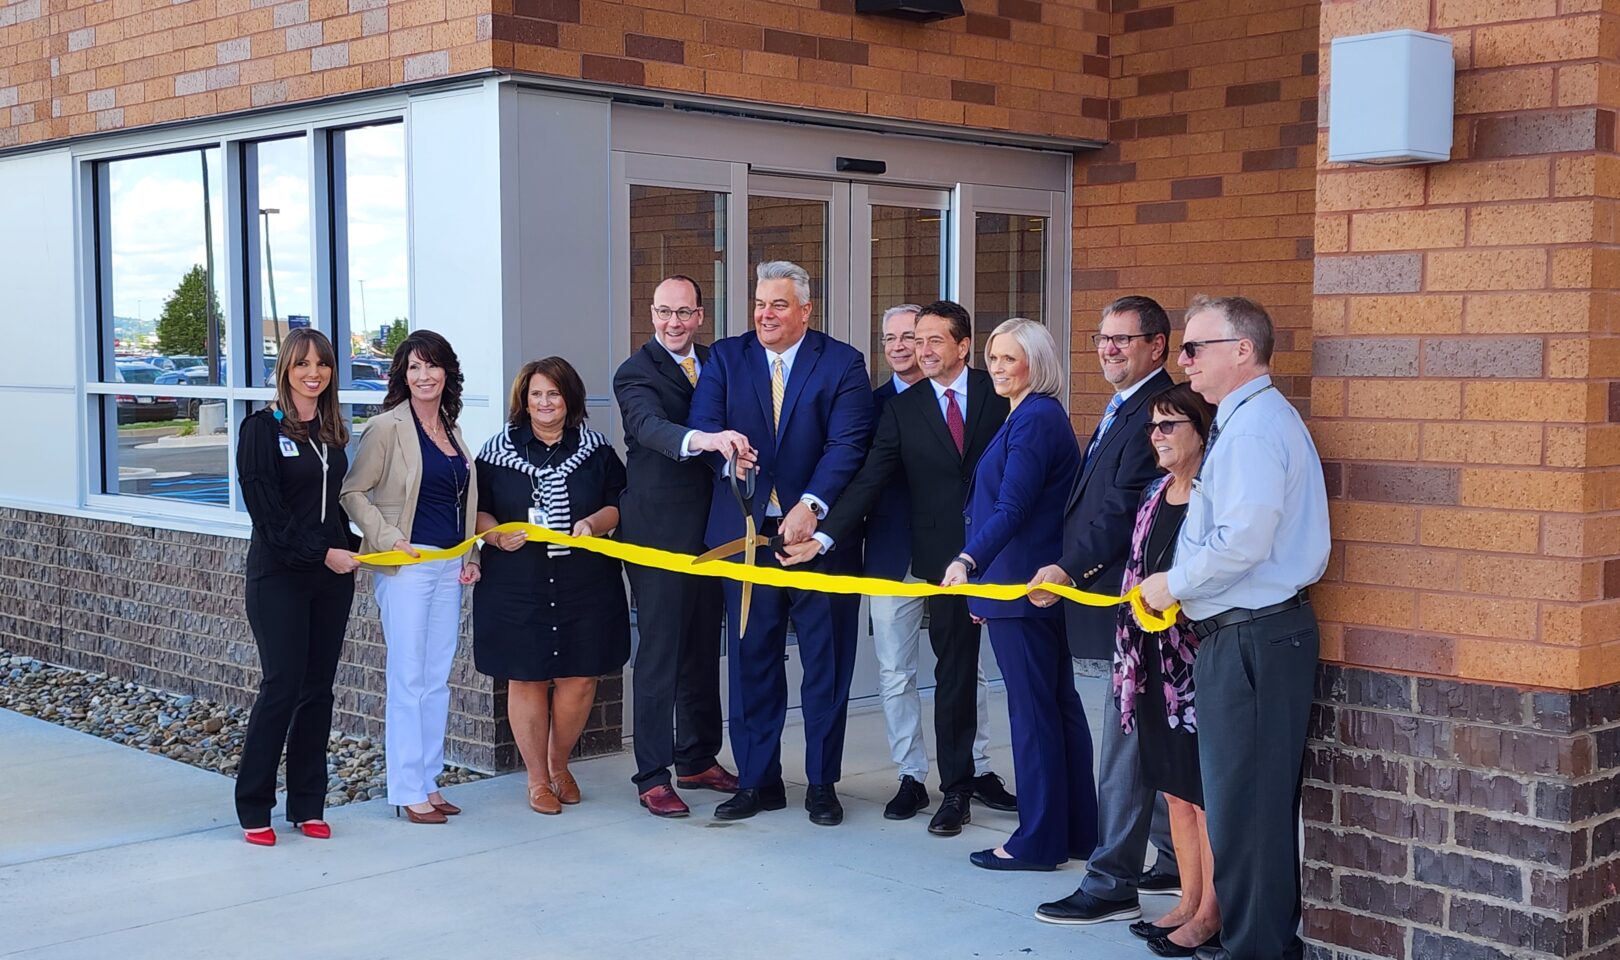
1120,340
685,313
889,338
1191,347
1166,427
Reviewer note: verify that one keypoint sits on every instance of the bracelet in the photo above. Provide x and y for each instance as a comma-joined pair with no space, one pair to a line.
966,562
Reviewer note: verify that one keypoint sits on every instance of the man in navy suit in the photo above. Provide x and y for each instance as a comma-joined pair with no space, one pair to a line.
802,400
1133,342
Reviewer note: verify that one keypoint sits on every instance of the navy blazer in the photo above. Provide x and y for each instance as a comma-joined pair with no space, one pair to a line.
666,499
1099,515
1016,502
827,420
888,526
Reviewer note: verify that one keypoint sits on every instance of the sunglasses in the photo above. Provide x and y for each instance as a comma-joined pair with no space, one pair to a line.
1191,347
1166,427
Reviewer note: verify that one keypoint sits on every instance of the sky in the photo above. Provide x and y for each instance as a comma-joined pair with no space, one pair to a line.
156,212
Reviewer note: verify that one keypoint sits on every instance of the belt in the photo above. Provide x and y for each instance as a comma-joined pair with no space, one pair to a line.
1204,628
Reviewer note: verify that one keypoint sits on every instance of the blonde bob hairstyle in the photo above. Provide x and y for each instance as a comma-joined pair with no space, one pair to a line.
1040,351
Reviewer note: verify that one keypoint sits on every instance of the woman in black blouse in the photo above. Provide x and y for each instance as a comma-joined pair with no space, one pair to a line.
546,619
300,583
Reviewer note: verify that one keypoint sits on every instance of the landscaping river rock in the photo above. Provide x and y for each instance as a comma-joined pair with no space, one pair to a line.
182,728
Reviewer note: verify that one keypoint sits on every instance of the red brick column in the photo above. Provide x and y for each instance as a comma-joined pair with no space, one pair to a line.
1463,773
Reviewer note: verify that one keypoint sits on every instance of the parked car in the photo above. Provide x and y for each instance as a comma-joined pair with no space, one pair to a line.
369,409
142,409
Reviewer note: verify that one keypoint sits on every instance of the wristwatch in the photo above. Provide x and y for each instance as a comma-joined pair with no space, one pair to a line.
966,562
816,509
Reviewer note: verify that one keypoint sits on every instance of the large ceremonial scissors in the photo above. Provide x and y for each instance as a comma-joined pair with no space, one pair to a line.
742,490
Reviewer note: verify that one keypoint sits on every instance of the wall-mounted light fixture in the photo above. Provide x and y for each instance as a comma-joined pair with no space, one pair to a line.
920,10
1390,98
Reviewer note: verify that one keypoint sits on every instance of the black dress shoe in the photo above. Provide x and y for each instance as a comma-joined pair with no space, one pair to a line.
1154,882
1213,953
1080,908
910,800
1147,931
988,860
1166,947
953,812
745,803
990,791
821,800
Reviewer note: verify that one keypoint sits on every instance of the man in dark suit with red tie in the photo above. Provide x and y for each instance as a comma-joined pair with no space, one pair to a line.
931,436
676,700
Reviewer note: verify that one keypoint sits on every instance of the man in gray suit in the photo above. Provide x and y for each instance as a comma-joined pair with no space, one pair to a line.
1133,342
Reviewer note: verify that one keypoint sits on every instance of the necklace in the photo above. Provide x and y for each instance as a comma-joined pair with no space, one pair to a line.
457,477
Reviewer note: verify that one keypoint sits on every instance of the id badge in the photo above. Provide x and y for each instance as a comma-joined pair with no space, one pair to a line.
288,447
537,516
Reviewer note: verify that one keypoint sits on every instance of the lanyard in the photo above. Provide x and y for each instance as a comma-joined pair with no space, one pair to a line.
1215,432
321,453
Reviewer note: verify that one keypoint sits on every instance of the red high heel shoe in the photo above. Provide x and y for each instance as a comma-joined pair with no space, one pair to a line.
315,829
260,838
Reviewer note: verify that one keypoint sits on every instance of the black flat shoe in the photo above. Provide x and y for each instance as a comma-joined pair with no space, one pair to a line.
821,802
989,790
952,813
910,800
1165,947
989,861
1147,930
746,803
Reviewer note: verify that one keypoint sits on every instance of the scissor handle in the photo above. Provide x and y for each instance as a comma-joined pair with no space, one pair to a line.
742,489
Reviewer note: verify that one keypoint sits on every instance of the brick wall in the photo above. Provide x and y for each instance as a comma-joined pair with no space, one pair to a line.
1460,820
1464,356
164,608
70,67
1209,183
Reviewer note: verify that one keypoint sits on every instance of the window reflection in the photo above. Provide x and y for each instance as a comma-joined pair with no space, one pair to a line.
785,228
676,232
907,267
371,208
285,300
1009,272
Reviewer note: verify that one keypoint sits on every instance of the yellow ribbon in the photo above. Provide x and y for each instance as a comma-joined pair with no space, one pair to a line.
1150,620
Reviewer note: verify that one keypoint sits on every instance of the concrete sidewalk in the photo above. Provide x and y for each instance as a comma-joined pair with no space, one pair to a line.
107,851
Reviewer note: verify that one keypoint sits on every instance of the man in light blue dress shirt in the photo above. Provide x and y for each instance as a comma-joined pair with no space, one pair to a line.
1255,536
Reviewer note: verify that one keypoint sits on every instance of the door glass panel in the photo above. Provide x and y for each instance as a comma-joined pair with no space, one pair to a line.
1009,273
786,228
908,253
676,232
282,219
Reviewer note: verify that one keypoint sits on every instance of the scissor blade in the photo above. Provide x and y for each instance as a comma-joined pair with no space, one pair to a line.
723,551
751,543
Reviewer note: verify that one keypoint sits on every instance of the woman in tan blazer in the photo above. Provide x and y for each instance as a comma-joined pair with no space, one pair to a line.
412,486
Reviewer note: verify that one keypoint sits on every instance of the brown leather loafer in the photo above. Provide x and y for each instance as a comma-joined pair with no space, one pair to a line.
716,778
663,801
543,800
566,786
446,807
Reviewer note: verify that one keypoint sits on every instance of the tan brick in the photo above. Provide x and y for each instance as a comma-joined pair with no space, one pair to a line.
1399,566
1413,314
1478,616
1407,229
1481,180
1372,522
1531,223
1574,268
1345,603
1366,189
1489,530
1348,440
1373,16
1577,625
1332,234
1327,397
1505,661
1503,91
1534,402
1543,41
1470,270
1530,577
1502,443
1556,491
1403,400
1529,313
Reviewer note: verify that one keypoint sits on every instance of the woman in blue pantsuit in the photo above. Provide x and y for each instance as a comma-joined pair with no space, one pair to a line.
1014,528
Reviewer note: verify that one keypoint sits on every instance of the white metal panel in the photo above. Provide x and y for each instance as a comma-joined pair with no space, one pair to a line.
39,395
453,171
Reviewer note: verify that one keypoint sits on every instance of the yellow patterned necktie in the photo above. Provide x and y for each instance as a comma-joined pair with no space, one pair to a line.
778,389
689,367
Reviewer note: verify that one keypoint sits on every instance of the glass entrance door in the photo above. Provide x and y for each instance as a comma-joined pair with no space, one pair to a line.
1000,249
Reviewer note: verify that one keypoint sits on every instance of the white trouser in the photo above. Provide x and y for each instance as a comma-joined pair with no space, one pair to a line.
420,608
896,633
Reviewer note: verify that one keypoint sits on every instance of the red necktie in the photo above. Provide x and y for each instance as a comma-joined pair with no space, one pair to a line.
953,420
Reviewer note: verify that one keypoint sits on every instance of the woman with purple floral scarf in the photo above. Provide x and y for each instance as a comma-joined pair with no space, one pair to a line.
1153,676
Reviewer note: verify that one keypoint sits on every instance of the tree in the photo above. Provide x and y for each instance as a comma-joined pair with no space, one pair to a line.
183,327
397,332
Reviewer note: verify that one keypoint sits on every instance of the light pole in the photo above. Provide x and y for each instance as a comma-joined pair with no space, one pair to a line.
270,268
365,324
